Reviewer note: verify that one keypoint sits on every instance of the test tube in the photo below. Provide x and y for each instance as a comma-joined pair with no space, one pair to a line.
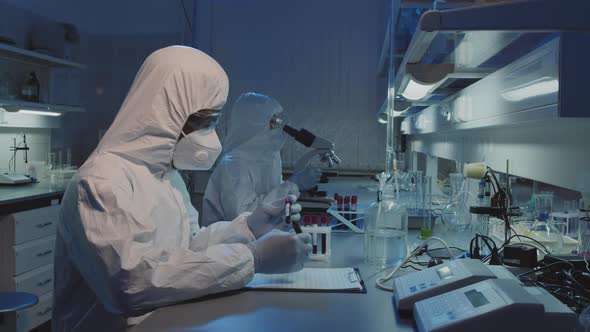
315,220
306,220
59,160
324,222
340,203
51,161
353,207
68,159
426,207
347,207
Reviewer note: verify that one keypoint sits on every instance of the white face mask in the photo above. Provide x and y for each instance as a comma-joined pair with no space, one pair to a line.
197,151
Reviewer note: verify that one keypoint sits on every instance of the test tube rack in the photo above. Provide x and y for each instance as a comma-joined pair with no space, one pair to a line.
321,241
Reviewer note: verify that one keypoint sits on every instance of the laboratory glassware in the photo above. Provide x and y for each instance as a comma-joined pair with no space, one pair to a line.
456,215
544,229
426,207
387,230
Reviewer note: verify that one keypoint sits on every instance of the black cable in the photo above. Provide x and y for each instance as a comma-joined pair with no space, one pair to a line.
443,248
544,268
186,16
526,237
412,267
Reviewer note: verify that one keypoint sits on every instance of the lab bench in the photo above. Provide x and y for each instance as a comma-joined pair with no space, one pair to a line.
28,216
291,311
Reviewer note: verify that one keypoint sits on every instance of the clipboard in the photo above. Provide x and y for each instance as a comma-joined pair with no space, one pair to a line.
312,280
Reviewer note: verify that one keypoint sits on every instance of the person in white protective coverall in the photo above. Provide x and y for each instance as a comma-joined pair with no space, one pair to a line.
250,172
128,239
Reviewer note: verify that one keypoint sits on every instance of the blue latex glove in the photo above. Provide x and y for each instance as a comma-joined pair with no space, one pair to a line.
306,178
269,216
280,252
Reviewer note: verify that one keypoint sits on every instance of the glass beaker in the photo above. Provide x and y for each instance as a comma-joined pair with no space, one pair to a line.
387,230
68,163
456,215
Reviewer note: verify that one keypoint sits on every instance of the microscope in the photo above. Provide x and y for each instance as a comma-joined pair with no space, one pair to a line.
314,200
320,147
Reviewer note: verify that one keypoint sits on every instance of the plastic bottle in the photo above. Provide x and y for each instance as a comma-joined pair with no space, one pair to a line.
30,90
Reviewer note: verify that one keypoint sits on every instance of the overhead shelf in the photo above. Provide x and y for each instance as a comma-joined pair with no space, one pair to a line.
16,105
476,42
16,53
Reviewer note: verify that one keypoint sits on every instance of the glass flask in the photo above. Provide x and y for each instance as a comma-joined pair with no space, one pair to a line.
386,230
456,215
544,229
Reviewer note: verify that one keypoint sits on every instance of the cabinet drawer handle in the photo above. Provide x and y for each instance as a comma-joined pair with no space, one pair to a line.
45,253
44,224
44,282
46,311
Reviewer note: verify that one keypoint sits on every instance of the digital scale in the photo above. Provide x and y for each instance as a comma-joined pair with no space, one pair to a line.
411,288
494,305
14,179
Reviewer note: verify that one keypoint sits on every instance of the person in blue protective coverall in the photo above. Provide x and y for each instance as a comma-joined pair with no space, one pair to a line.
128,239
250,171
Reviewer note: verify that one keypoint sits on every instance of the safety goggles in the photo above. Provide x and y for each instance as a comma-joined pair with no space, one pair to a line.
276,121
203,119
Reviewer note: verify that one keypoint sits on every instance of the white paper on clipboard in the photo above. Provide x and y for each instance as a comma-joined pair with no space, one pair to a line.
317,279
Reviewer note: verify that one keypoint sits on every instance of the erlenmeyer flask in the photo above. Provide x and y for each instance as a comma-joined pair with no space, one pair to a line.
456,215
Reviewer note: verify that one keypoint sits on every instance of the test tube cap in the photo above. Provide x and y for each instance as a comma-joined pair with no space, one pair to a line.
315,219
346,199
325,220
354,199
307,219
339,200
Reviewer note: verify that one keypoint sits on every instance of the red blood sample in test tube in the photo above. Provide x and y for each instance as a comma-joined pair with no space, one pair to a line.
307,220
324,222
347,207
315,219
353,205
340,203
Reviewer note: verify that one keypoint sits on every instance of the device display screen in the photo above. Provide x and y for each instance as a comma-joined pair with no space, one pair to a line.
476,298
444,273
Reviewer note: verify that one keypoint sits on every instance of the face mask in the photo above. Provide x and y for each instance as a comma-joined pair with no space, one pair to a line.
197,151
277,139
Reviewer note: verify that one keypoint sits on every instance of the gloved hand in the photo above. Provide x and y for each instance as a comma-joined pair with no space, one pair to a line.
280,252
269,216
306,178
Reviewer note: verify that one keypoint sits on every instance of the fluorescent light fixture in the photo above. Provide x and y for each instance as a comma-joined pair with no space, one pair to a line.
25,111
416,91
540,87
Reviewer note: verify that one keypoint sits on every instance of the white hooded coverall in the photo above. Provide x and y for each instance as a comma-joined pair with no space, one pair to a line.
124,241
250,171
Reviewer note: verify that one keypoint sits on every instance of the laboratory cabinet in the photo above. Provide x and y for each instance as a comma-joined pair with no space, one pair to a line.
27,241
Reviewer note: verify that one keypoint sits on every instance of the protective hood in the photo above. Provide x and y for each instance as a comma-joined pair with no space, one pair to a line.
250,171
248,128
173,83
